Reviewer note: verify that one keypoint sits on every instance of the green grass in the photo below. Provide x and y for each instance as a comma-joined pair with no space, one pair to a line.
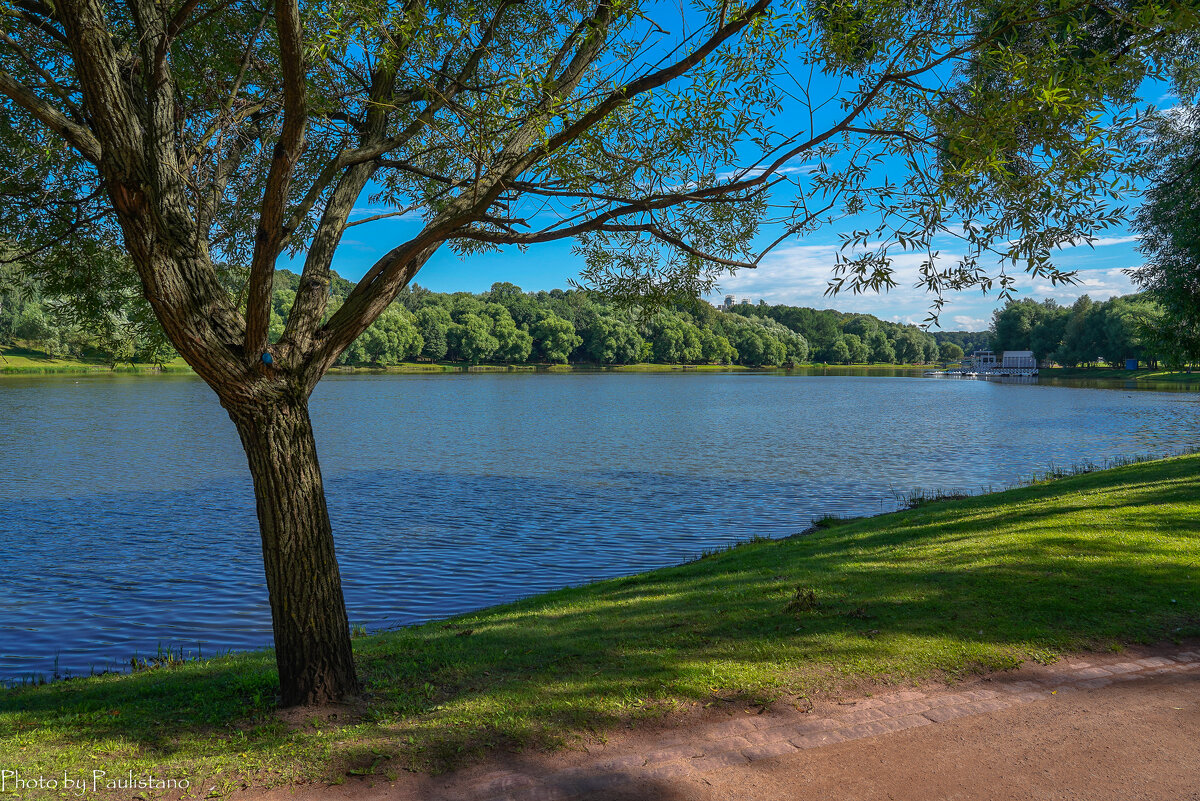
1109,374
650,367
459,367
950,588
25,361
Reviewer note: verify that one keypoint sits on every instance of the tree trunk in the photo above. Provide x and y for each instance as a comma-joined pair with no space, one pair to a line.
308,613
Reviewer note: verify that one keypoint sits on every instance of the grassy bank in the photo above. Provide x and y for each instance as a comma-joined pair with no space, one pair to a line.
23,361
643,367
1108,374
949,588
461,367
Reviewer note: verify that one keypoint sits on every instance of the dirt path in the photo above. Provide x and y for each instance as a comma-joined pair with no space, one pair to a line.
1097,728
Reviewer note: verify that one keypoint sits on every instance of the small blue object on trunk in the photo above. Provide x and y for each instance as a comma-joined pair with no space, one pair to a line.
1131,364
267,358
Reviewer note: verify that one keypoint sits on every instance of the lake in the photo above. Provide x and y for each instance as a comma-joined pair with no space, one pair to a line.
128,518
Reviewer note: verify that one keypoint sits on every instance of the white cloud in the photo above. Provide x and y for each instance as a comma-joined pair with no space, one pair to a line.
787,169
358,244
805,168
1096,284
965,322
1103,242
788,274
799,274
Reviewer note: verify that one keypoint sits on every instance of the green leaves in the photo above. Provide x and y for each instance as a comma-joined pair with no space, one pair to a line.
1169,224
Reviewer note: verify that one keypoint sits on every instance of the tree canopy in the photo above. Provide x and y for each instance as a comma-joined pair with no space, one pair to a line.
575,326
1086,332
1169,224
664,152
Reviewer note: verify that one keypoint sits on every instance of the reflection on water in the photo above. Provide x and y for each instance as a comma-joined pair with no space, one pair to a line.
128,520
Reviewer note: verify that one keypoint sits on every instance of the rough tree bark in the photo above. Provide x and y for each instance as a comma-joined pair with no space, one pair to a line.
308,614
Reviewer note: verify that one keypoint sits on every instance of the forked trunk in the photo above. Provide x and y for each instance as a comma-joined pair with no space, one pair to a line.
308,613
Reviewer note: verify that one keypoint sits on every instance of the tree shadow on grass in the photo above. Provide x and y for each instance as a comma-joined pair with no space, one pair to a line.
164,712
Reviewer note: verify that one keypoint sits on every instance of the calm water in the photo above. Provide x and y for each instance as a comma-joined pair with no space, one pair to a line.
127,518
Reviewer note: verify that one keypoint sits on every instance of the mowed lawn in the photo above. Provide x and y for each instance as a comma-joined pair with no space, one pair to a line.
20,361
1093,561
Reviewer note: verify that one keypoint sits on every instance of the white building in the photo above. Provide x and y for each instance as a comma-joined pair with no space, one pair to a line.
1018,362
982,361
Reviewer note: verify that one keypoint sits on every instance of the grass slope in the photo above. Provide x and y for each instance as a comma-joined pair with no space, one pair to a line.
950,588
25,361
1110,374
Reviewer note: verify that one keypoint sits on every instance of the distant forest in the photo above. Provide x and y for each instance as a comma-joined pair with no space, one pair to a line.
504,325
508,325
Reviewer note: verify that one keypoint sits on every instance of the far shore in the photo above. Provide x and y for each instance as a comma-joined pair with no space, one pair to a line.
22,362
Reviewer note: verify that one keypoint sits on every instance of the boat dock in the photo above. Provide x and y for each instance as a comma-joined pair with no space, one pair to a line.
984,364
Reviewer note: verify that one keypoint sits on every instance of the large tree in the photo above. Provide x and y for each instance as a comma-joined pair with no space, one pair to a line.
1169,222
208,138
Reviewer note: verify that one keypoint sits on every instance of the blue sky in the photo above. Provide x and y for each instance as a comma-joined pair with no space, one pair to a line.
798,274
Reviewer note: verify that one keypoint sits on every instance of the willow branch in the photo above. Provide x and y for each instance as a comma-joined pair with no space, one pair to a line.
75,135
271,233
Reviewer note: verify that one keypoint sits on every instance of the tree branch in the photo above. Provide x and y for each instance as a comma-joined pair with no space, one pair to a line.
656,231
75,135
271,231
173,28
622,95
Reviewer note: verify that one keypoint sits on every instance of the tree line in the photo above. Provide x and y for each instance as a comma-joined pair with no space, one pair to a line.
1089,332
502,325
511,326
508,325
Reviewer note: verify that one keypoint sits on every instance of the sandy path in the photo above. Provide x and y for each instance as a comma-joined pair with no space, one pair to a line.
1135,740
1101,728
